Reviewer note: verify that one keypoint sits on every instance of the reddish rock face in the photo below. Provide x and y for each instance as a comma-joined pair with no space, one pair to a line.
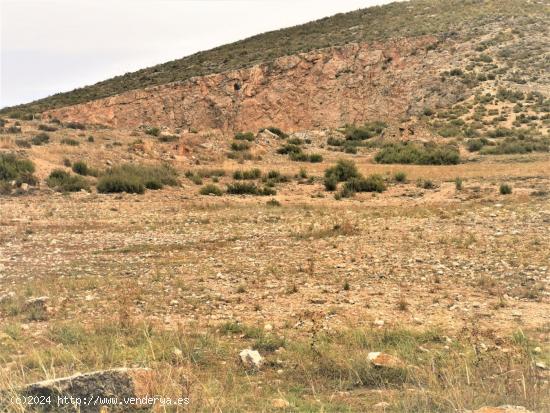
324,88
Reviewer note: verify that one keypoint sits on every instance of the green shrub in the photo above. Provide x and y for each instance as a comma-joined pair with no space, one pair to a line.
75,125
23,143
412,153
47,128
304,157
295,141
458,183
40,139
14,168
245,188
276,131
91,139
331,182
505,189
211,189
273,203
367,131
80,167
247,175
373,183
332,141
517,145
400,176
120,183
63,181
153,131
475,145
425,184
134,178
13,129
289,149
70,142
244,136
168,138
342,171
240,146
315,158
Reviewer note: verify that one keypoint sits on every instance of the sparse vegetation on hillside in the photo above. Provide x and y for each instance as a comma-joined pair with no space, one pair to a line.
419,154
400,19
133,178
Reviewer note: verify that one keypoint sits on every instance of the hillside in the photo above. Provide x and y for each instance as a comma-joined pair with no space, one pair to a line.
444,18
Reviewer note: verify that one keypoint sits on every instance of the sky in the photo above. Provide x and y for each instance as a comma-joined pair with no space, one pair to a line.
51,46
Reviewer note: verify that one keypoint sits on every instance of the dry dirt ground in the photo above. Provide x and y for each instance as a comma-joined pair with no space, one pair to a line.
181,282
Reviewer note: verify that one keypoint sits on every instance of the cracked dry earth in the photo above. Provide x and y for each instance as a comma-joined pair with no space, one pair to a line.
180,259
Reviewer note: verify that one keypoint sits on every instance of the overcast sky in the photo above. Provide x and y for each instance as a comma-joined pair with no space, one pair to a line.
49,46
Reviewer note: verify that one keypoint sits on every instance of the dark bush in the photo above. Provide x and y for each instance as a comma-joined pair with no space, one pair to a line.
153,131
505,189
277,132
289,149
13,168
63,181
240,146
211,189
134,178
70,142
244,136
245,188
412,153
400,176
75,125
342,171
40,139
367,131
80,167
373,183
247,175
47,128
23,143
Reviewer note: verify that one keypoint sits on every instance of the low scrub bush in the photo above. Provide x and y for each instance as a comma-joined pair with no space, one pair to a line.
70,142
400,176
244,136
247,175
82,168
63,181
47,128
245,188
505,189
134,178
40,139
366,131
211,189
412,153
515,145
13,168
153,131
342,171
276,131
372,183
239,146
75,125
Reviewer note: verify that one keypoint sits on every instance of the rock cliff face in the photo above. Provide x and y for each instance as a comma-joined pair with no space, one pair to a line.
325,88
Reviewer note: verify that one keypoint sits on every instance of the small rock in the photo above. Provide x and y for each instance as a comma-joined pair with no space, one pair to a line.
541,365
381,405
251,359
502,409
268,327
384,360
378,323
280,403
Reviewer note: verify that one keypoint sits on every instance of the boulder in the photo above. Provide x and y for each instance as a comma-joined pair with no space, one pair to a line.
251,359
91,391
385,360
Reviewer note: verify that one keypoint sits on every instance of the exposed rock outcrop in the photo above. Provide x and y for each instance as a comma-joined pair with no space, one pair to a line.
324,88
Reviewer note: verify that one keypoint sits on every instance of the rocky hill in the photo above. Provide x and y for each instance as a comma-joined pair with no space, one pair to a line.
382,62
